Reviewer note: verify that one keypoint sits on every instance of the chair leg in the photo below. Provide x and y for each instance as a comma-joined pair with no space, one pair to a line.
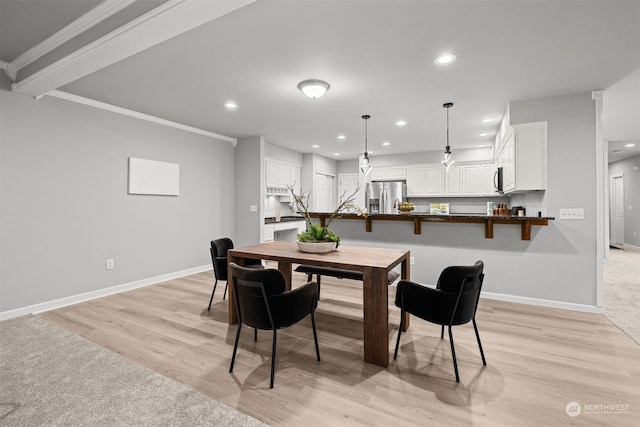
273,356
442,332
319,286
484,362
212,292
395,353
255,335
453,354
315,335
235,348
224,296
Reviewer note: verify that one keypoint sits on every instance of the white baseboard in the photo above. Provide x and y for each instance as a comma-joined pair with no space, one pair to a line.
627,245
544,302
75,299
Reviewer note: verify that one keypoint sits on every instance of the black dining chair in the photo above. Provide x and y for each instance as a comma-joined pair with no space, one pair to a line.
219,249
262,302
453,302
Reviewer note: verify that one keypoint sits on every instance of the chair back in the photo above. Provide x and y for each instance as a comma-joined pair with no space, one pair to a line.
219,249
252,289
466,281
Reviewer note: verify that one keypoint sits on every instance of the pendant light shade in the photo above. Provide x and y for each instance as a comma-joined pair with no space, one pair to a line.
447,161
313,88
366,163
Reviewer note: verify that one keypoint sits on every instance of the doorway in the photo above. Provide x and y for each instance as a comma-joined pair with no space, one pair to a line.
617,210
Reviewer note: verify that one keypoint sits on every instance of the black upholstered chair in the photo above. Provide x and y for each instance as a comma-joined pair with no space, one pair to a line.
219,248
453,302
263,303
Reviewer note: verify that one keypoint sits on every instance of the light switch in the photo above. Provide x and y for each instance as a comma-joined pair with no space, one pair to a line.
253,208
572,213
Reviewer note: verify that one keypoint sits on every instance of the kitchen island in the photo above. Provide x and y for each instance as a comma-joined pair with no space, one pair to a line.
417,218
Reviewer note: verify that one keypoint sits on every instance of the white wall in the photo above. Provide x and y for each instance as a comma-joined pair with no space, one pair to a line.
65,207
249,191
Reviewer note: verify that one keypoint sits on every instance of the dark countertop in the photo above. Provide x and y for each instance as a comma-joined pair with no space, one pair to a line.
272,219
429,215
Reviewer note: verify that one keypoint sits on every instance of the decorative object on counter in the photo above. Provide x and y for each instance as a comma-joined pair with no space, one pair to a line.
502,210
320,238
366,163
489,208
439,209
313,88
447,161
278,215
518,211
406,207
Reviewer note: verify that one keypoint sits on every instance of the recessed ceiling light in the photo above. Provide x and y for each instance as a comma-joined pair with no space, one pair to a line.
630,145
484,134
230,105
386,143
341,136
486,120
336,154
401,123
445,58
315,146
483,146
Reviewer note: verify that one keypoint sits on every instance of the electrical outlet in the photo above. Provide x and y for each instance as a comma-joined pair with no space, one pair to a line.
110,264
572,213
412,261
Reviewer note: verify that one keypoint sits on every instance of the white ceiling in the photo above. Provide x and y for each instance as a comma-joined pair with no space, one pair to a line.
376,55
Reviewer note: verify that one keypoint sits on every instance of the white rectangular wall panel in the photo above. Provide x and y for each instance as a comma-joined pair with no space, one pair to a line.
153,177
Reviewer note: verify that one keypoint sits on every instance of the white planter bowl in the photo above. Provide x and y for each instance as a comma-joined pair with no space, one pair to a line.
316,247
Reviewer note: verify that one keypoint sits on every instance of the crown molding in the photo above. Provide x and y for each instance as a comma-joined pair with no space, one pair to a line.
3,65
156,26
137,115
96,15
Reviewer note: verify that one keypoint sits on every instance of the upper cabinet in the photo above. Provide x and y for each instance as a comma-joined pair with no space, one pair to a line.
279,176
523,158
388,173
423,181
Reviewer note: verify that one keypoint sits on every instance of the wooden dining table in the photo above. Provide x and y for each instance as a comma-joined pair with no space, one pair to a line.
374,263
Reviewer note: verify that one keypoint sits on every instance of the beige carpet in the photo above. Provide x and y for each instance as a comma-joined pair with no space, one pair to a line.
622,290
50,377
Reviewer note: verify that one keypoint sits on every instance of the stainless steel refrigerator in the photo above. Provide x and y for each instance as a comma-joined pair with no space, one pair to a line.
385,196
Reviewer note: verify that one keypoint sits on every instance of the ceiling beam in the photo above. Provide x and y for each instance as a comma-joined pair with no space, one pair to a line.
96,15
156,26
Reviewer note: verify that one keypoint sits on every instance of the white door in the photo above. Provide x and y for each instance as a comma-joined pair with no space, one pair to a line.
617,205
324,194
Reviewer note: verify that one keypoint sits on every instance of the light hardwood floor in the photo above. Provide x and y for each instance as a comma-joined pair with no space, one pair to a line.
538,360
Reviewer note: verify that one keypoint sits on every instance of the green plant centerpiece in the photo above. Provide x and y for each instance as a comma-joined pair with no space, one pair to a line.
315,233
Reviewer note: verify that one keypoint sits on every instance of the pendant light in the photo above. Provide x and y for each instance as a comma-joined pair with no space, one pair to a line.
366,163
447,152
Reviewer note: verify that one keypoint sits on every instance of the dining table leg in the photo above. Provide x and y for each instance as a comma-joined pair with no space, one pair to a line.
285,268
376,316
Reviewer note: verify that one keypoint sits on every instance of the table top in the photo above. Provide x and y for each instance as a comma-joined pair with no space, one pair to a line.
345,256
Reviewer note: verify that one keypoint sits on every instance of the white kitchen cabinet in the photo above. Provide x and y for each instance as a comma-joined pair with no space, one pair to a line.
435,180
425,181
523,158
279,176
486,184
269,232
453,180
273,176
416,182
388,174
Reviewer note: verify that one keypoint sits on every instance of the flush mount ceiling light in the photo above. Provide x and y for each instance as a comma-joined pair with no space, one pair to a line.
313,88
445,58
366,163
447,152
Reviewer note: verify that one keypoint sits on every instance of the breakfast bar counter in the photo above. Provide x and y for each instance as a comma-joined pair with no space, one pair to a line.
417,218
